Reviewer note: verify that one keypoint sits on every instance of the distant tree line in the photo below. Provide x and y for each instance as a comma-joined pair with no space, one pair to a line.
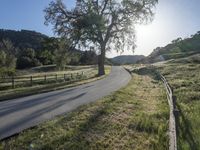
25,49
176,49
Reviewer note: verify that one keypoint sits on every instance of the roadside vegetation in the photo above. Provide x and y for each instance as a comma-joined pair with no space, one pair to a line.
46,78
184,76
135,117
178,48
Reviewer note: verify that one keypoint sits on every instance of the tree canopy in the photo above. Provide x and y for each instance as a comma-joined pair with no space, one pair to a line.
103,24
25,49
7,57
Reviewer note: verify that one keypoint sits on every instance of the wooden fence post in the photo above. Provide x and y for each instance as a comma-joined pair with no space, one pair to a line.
13,82
56,77
45,78
31,80
77,75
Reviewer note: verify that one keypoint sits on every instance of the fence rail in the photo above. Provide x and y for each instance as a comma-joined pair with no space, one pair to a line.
173,115
172,106
22,81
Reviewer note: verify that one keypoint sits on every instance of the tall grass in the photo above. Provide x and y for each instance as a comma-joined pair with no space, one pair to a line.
135,117
184,78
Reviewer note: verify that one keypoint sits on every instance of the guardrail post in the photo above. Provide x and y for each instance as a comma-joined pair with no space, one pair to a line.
13,82
64,78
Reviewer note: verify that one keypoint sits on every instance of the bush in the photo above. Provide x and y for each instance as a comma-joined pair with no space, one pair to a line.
26,62
7,71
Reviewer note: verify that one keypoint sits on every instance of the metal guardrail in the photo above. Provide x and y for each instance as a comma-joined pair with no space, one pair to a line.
173,115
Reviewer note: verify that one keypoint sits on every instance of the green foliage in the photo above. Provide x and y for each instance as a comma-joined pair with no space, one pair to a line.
184,76
24,39
27,59
101,24
46,57
108,123
179,48
88,58
27,45
7,58
62,55
38,49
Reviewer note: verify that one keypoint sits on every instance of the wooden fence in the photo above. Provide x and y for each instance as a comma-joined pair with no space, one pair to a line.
172,106
23,81
173,115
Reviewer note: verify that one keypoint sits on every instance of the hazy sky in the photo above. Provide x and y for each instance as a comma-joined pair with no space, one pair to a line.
174,18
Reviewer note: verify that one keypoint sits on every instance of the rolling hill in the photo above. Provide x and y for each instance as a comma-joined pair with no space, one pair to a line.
178,48
126,59
24,38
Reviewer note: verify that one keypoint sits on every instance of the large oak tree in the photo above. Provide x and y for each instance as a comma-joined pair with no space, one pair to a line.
102,24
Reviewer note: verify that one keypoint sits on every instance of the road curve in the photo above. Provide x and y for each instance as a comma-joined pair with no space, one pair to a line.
22,113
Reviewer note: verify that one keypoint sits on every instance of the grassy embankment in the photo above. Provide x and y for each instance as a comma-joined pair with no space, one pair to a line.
90,74
135,117
184,77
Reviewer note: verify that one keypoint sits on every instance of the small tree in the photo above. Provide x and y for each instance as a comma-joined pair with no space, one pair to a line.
27,58
176,41
46,57
61,55
103,24
7,57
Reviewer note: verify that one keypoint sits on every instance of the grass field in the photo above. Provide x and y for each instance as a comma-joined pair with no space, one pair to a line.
90,74
135,117
51,69
184,77
46,75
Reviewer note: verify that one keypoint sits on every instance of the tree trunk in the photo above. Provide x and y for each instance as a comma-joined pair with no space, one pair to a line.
101,61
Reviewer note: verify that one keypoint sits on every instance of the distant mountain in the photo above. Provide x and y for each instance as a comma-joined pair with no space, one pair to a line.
178,48
126,59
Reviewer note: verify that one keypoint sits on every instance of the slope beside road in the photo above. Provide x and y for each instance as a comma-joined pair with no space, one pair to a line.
22,113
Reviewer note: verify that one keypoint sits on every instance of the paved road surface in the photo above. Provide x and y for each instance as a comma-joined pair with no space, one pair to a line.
22,113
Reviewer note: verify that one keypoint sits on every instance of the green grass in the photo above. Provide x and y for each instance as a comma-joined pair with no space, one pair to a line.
49,86
184,77
176,55
46,75
135,117
51,69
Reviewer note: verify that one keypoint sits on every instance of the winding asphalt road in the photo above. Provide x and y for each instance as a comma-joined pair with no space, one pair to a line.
22,113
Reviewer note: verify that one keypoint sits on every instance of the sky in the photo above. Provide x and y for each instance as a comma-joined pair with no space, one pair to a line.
173,19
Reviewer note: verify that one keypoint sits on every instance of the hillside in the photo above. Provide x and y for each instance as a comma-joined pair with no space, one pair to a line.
178,48
26,49
183,76
127,59
24,38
